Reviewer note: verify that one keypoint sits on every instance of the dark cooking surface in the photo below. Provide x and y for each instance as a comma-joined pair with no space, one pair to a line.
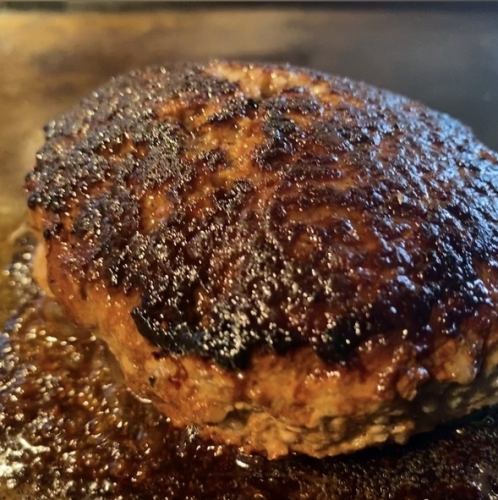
445,55
71,429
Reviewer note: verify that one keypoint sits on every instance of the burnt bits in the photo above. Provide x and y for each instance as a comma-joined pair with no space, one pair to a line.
272,207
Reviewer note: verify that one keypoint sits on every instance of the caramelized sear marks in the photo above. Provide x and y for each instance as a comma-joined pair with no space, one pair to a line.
273,207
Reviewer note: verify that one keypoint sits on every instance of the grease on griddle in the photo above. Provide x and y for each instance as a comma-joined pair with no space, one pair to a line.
70,428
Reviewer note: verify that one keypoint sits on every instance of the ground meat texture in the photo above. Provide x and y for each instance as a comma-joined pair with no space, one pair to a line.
293,254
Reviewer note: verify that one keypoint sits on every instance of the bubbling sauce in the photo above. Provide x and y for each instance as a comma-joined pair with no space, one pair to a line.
69,428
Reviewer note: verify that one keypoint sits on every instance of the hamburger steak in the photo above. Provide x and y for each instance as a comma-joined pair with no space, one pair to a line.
287,260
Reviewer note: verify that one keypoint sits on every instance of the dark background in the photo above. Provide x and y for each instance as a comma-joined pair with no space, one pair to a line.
443,54
51,54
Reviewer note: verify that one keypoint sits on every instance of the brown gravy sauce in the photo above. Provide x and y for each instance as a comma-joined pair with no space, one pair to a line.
69,428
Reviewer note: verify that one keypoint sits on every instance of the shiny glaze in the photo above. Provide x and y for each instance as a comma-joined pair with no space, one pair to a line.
70,429
263,206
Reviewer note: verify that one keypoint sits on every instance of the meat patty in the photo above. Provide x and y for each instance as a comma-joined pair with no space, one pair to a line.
289,261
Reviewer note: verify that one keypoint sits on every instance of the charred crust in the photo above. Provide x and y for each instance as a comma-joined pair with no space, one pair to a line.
159,354
52,231
313,210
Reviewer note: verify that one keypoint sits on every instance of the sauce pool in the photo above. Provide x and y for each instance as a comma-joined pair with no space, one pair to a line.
70,428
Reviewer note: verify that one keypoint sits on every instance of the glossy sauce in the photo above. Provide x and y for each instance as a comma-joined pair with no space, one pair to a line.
69,428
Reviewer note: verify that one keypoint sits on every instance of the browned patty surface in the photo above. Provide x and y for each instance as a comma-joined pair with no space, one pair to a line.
272,219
